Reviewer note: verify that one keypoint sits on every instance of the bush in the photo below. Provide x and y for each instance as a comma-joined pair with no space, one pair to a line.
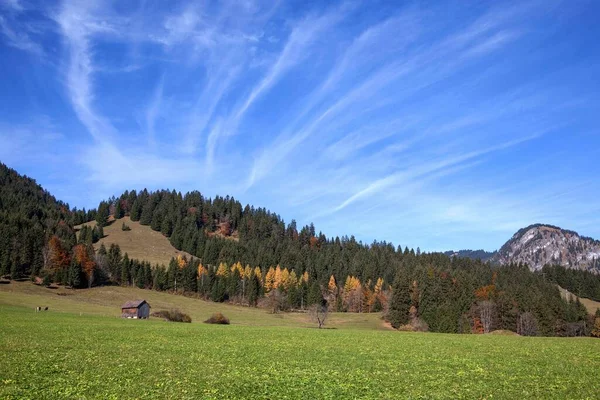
218,319
415,325
172,315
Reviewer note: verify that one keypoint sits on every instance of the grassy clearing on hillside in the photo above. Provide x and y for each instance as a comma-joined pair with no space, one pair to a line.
60,355
107,301
141,242
591,305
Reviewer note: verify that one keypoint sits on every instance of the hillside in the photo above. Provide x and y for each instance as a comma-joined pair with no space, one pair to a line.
591,305
141,242
28,216
538,245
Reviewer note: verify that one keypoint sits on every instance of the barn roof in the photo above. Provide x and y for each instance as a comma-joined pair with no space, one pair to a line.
133,304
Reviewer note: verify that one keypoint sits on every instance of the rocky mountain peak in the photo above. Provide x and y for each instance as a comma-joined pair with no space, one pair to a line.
538,245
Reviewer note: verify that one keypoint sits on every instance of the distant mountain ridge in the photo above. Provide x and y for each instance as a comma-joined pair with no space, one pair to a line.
541,244
472,254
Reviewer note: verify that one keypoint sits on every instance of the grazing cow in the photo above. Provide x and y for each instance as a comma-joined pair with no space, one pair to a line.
38,309
45,308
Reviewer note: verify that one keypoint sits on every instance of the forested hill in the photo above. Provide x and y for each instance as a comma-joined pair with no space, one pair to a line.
222,230
29,215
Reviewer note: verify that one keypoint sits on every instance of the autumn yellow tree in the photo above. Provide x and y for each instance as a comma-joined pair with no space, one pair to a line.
201,271
332,291
380,296
368,297
277,277
285,276
238,267
304,277
378,286
292,280
222,271
270,280
352,294
331,286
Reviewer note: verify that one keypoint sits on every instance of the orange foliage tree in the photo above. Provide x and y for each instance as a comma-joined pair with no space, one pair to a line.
56,258
84,257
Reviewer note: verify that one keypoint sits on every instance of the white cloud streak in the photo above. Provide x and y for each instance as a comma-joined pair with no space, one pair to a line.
396,109
19,38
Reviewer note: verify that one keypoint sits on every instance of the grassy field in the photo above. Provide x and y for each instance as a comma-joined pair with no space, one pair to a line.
141,242
62,355
107,301
80,349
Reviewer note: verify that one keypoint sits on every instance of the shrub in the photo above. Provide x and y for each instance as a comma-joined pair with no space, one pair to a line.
172,315
416,325
218,319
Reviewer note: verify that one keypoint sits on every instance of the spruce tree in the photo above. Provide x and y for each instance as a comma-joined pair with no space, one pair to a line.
401,301
140,279
102,214
125,265
118,210
314,294
75,272
136,210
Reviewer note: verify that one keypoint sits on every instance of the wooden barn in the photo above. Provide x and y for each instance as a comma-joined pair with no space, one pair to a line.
135,309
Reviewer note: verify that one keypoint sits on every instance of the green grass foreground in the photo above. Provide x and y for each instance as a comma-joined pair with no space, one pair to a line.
67,356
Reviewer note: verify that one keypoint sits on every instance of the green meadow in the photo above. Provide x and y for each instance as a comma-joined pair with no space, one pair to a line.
71,355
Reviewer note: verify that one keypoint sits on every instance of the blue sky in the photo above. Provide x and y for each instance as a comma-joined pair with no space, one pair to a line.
444,125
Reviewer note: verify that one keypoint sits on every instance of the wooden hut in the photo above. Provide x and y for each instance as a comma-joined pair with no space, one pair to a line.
135,309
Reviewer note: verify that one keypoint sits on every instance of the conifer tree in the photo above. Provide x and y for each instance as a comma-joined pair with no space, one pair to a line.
119,213
314,294
125,266
102,214
401,301
74,277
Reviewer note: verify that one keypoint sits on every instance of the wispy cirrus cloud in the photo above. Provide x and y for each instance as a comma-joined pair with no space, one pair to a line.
342,113
20,39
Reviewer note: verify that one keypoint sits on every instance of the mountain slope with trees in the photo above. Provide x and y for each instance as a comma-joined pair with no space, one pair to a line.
250,256
29,217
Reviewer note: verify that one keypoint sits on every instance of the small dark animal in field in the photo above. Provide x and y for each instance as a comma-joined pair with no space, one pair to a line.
45,308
